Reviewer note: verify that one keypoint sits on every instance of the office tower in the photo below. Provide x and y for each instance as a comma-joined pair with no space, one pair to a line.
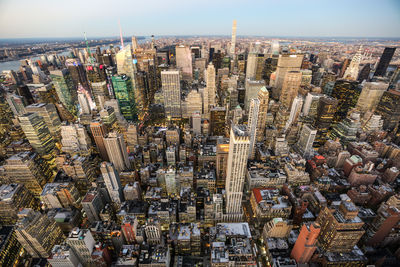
341,228
285,64
92,204
100,93
351,72
74,138
131,137
239,145
325,113
49,113
306,243
196,123
252,89
389,109
210,86
370,96
252,125
16,104
37,133
63,255
172,93
117,151
134,44
192,104
125,65
82,244
217,121
112,181
222,161
77,71
184,61
364,73
99,131
295,111
290,88
311,104
306,140
233,41
347,129
384,61
347,93
11,249
125,95
37,233
255,66
263,98
65,88
14,197
28,169
84,103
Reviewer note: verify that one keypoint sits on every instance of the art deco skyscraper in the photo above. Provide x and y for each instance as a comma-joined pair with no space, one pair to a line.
37,233
233,41
239,145
117,151
172,93
351,72
290,88
384,61
99,131
112,181
184,61
37,133
263,98
210,81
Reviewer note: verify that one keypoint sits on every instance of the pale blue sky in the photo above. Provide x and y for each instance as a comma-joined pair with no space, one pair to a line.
99,18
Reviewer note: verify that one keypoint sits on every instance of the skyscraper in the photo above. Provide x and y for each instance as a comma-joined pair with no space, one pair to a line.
99,131
384,61
306,140
290,88
351,72
74,138
83,103
252,89
125,95
37,133
210,82
239,145
370,96
49,114
184,61
233,41
117,151
77,71
217,121
306,243
65,88
37,233
347,93
263,98
286,63
252,124
125,65
172,93
389,109
112,181
28,169
82,243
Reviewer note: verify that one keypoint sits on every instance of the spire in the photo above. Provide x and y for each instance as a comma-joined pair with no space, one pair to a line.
352,71
120,34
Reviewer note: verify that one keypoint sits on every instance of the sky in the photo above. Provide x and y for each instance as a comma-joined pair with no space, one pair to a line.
99,18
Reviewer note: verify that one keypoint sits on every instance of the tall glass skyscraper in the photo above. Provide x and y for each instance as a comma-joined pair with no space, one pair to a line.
125,95
65,88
